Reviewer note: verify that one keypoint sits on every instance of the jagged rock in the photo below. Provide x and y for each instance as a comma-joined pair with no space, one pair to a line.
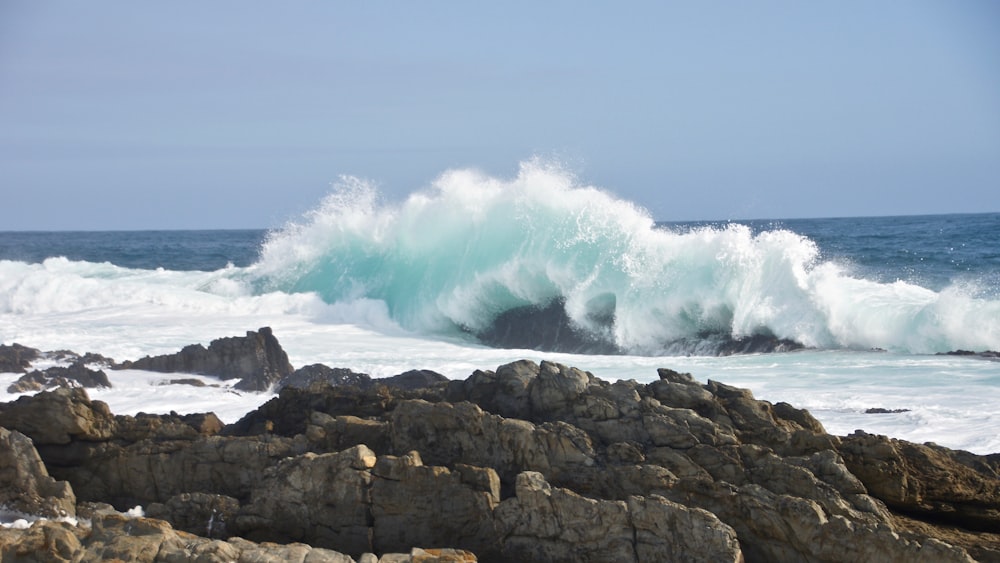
15,358
115,537
927,480
330,434
324,499
76,375
257,360
307,376
447,433
203,514
59,416
25,484
543,523
467,495
523,460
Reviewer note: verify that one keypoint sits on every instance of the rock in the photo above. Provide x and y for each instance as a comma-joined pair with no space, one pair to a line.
25,484
984,355
15,358
115,537
543,523
544,327
324,499
927,480
446,433
504,392
414,379
257,360
203,514
76,375
535,462
307,376
59,416
405,492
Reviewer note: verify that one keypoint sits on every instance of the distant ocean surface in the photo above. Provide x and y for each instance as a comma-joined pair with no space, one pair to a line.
386,287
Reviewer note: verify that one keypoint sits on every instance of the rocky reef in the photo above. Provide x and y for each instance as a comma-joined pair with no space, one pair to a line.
527,462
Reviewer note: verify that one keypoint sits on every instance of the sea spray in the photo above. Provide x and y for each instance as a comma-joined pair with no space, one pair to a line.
455,257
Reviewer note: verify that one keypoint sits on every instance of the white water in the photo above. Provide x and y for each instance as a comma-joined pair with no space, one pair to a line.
383,289
953,401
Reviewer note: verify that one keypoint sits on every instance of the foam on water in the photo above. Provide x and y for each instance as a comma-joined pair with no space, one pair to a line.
383,288
454,257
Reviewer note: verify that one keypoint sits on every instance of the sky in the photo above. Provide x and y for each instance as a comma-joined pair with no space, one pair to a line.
117,114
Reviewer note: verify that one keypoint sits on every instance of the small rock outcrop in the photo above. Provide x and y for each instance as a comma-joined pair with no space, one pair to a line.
76,374
15,358
256,359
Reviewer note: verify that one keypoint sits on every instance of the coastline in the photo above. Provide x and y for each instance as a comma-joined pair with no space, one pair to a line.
528,442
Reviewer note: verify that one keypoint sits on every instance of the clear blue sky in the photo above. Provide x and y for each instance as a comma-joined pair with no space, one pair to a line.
231,114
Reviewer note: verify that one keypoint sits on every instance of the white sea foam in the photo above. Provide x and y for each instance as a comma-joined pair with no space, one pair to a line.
470,247
383,288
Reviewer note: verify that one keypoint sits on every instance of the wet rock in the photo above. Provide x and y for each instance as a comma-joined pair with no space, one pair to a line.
257,360
75,375
15,358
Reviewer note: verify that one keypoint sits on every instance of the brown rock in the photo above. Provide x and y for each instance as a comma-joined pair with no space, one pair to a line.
926,480
15,358
58,416
25,484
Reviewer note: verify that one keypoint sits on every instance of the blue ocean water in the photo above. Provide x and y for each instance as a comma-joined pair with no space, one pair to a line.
146,250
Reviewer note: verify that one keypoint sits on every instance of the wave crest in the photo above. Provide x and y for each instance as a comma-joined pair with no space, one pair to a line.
473,249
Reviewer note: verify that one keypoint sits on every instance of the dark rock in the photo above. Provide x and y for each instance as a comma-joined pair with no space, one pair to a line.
880,410
307,376
534,462
550,329
204,514
257,360
76,375
187,381
414,379
985,355
544,327
15,358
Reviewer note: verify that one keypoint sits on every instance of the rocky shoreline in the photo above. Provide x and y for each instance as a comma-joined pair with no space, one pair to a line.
527,462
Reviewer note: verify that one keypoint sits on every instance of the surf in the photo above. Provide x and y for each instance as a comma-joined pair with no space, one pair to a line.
543,256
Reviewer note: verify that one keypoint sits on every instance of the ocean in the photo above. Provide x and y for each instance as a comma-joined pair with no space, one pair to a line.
382,287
